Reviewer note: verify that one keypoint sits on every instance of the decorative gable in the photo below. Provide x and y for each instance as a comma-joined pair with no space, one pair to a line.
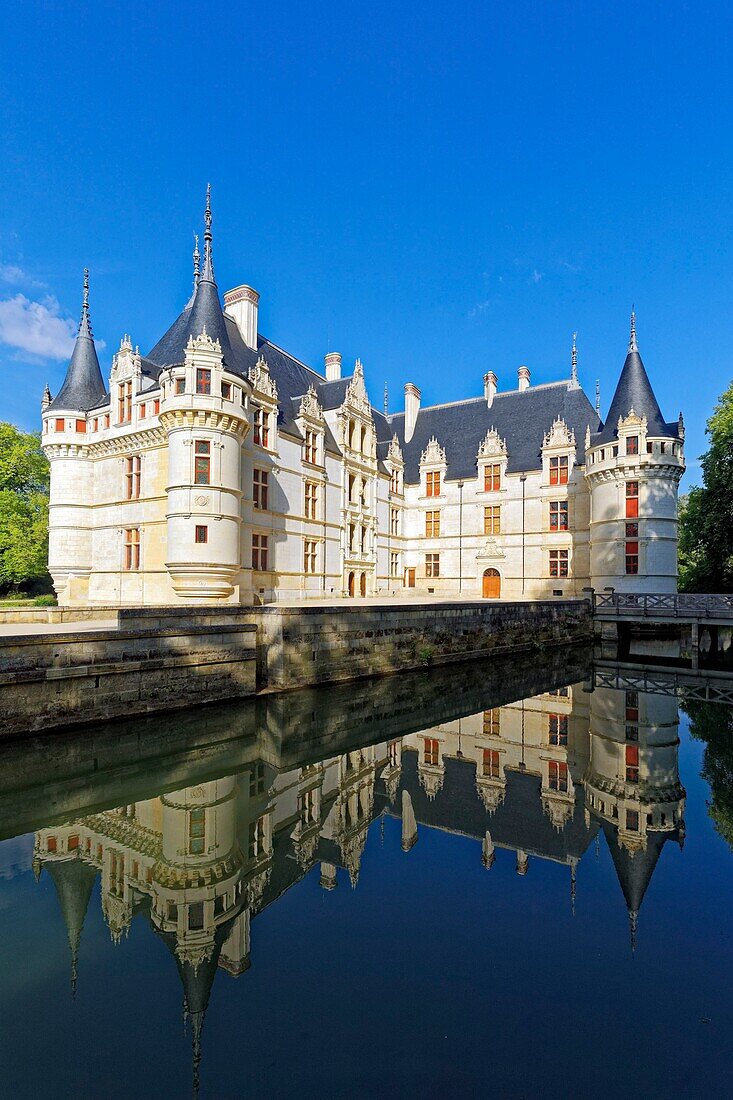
356,394
126,363
559,437
310,407
433,455
262,383
493,446
394,452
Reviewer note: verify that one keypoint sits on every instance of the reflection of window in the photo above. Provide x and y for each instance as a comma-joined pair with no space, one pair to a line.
432,525
558,515
257,780
491,722
492,519
256,846
558,726
430,752
196,831
632,821
558,563
491,763
196,916
308,807
559,470
558,775
492,478
432,565
632,763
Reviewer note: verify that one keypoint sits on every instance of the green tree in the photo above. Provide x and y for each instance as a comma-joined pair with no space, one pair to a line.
706,513
24,481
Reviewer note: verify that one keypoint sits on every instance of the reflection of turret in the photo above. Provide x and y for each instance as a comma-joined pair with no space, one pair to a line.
73,881
634,869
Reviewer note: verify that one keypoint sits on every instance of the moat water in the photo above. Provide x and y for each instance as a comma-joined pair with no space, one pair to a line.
473,881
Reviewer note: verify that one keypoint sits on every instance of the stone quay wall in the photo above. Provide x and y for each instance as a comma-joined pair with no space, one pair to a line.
163,658
156,659
299,646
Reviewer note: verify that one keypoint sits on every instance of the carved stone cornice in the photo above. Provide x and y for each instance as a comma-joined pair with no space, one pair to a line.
235,423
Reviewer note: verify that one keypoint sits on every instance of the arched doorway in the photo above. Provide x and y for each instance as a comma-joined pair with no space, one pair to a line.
362,585
352,584
492,585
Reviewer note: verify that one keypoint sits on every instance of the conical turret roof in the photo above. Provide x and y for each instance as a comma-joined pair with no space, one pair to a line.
634,391
83,386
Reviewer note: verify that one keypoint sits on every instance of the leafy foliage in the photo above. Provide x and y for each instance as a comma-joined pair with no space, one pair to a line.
706,513
24,482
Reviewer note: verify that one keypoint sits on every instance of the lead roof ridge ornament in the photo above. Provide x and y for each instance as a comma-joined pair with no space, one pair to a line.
633,346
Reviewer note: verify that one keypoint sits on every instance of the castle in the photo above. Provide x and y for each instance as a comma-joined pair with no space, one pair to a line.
218,467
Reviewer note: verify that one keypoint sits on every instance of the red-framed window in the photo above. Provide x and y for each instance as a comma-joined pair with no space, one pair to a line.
202,462
432,483
558,563
202,533
491,764
203,380
492,477
558,515
559,470
558,729
558,775
431,751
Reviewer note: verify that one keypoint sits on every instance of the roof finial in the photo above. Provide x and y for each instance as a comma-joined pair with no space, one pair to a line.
196,258
208,272
386,400
632,337
85,325
598,396
574,362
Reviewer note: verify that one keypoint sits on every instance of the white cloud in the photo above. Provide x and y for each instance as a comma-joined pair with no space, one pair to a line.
16,276
37,329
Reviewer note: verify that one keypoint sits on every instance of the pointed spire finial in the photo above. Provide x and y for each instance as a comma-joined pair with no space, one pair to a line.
208,272
386,400
574,362
632,336
633,914
598,396
85,324
196,259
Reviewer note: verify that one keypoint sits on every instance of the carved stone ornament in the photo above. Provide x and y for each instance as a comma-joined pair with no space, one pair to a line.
126,363
431,779
203,343
490,550
587,436
259,376
306,847
433,455
560,812
559,435
632,422
493,446
356,394
491,794
394,451
200,501
310,405
392,782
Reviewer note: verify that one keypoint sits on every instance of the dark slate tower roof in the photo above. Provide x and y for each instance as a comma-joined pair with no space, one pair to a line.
73,880
83,386
203,311
634,391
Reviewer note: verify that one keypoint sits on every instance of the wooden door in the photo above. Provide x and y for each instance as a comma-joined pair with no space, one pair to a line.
410,578
491,585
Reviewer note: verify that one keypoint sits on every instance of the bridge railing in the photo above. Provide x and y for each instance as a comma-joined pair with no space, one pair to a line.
664,605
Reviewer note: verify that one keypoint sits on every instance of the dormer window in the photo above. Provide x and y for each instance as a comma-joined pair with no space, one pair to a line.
492,477
203,380
394,482
310,447
559,470
432,483
632,444
124,402
261,427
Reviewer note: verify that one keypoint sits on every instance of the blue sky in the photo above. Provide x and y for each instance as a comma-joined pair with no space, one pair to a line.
439,189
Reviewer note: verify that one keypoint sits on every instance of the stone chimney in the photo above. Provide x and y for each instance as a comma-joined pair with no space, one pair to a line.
490,384
241,305
412,408
523,379
333,365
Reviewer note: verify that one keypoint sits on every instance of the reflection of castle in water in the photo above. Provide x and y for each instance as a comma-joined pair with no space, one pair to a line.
542,778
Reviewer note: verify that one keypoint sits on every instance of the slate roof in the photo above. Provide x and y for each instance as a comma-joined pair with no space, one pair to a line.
520,417
83,386
634,391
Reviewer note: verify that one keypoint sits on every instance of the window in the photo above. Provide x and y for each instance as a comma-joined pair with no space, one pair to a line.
308,807
73,843
432,565
156,406
226,391
202,462
492,477
558,563
632,558
430,752
106,420
257,780
559,470
95,424
632,763
492,519
632,821
632,530
202,533
180,385
632,499
491,764
432,483
632,706
310,447
124,402
60,424
432,525
256,846
259,552
394,565
491,722
558,776
132,477
394,481
394,521
309,555
196,916
196,831
311,499
558,727
132,548
261,427
260,488
81,425
203,381
141,411
632,445
558,515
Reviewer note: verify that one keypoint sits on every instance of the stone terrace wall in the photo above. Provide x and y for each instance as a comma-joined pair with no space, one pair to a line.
298,646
